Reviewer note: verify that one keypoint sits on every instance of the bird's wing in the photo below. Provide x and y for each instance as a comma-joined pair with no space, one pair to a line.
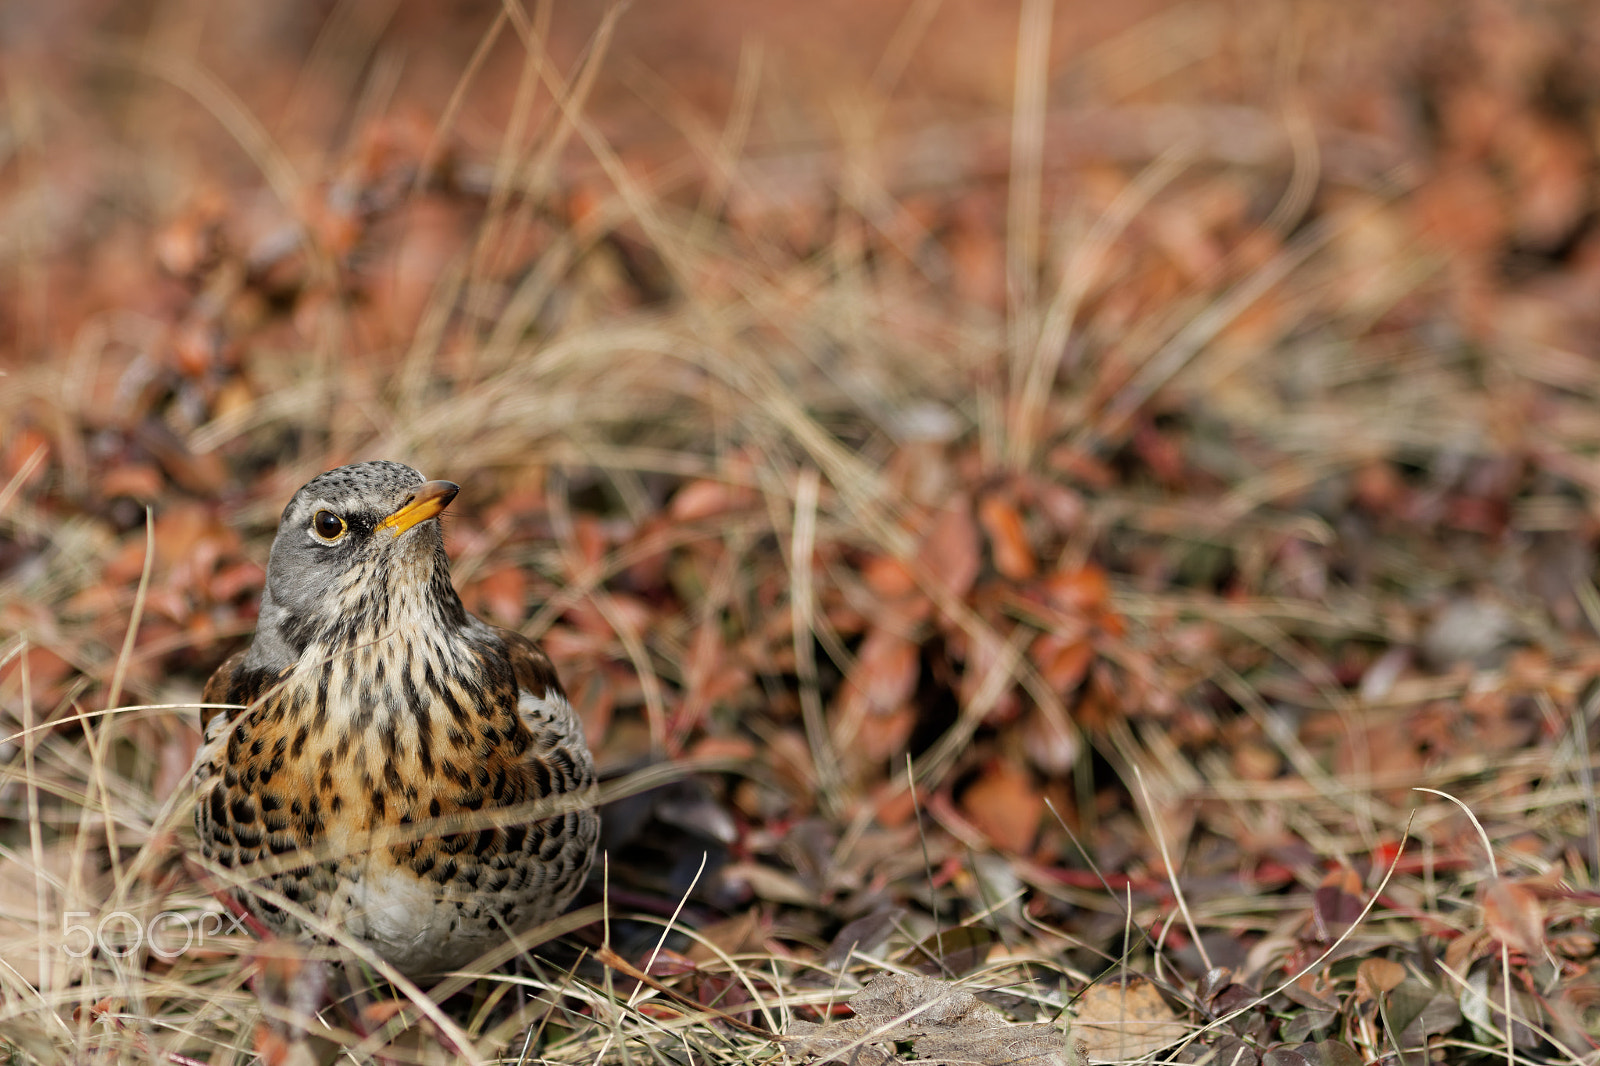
558,743
536,675
233,684
221,689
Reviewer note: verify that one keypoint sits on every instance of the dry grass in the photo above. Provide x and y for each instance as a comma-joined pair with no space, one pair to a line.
806,435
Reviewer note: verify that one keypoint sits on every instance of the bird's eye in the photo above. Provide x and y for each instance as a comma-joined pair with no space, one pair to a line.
327,525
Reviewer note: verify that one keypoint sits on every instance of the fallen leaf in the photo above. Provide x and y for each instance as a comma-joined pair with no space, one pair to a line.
952,951
1336,904
1008,540
1513,915
1062,659
884,674
1416,1010
1004,804
888,577
705,498
1115,1022
1083,591
1329,1053
862,935
1377,976
141,481
943,1023
738,935
950,550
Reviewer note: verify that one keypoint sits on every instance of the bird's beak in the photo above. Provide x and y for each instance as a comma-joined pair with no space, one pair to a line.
429,499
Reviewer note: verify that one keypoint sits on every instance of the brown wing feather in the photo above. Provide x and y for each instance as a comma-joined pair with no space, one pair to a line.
535,673
232,683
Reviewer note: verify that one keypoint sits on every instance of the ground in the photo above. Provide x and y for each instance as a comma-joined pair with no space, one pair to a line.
1093,504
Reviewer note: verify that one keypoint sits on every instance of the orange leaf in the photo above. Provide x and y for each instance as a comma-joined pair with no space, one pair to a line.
1013,555
1062,659
375,1014
179,532
229,581
704,498
1005,806
895,805
1082,591
888,577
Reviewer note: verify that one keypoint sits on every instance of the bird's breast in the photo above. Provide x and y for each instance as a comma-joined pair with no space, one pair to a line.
409,731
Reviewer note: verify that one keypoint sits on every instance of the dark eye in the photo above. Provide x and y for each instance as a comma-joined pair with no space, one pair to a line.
327,525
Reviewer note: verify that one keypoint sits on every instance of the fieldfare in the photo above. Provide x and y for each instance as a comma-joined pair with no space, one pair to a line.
426,766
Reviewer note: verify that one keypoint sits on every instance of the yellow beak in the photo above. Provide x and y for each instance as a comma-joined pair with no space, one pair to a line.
429,499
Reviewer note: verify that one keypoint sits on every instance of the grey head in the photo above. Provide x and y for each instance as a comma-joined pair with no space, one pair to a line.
349,541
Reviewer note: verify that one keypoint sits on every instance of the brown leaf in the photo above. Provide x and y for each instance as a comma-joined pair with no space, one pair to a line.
1513,915
1118,1022
201,473
1336,903
1253,760
943,1023
884,675
590,538
1552,165
950,550
976,255
229,581
741,934
863,935
1460,210
952,951
888,577
1008,540
1084,591
884,736
704,498
1062,659
1005,805
1377,976
141,481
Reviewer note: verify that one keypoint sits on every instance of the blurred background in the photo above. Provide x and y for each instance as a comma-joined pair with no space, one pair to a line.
973,447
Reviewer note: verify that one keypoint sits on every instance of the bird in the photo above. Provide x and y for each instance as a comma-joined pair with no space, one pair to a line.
402,770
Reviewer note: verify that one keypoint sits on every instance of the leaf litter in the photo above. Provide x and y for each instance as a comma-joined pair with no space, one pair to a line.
1036,533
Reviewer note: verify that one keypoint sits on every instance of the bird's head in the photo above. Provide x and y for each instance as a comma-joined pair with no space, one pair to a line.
353,546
